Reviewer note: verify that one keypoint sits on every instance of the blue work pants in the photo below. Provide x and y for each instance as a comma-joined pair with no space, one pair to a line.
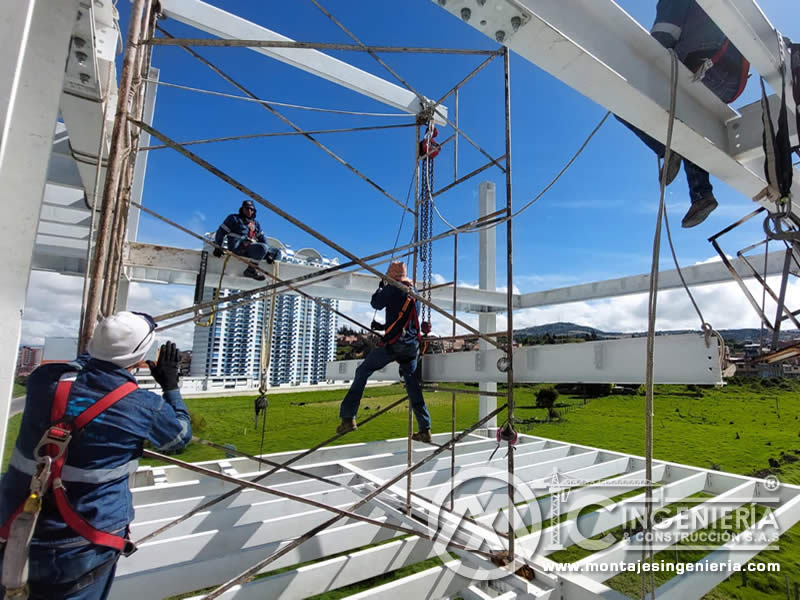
725,84
82,572
406,356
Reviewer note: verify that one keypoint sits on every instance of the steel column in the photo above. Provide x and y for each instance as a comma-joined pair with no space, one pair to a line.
487,253
34,38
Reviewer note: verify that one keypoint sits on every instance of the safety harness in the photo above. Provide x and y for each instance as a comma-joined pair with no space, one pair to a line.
400,324
777,148
50,456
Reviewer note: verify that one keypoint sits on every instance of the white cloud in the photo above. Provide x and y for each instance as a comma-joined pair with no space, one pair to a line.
53,307
724,306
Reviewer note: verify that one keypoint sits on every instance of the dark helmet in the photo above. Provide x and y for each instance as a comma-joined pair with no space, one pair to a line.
247,204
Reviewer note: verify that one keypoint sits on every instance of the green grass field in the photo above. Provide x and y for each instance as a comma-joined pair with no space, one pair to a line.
19,390
740,428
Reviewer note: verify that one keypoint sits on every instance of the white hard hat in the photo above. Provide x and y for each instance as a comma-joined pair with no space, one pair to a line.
123,338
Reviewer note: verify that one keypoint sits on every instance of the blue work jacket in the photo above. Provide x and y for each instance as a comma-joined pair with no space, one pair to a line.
684,26
100,456
235,229
392,299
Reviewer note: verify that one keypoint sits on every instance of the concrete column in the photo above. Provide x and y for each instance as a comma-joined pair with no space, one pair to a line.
34,40
487,267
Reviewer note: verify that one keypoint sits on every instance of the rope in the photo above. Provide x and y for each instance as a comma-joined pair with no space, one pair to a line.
270,102
214,307
545,189
647,579
262,403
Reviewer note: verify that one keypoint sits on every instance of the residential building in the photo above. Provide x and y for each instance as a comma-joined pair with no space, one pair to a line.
28,358
303,338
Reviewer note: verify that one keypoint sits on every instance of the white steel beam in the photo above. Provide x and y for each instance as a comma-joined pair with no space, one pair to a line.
487,280
749,29
178,265
673,529
335,573
183,265
90,83
679,359
696,275
699,582
225,25
611,59
34,37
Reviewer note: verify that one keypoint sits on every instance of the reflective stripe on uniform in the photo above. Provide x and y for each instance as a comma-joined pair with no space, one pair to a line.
668,28
75,474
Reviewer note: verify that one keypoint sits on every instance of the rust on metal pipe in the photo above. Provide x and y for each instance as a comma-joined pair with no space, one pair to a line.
112,176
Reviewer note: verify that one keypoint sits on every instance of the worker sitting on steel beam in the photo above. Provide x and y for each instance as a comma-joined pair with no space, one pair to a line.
400,343
245,238
683,26
67,484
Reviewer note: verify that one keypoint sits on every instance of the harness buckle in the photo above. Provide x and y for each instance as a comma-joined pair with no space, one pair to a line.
54,436
129,548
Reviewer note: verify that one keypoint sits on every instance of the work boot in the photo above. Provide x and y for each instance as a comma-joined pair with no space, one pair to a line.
673,167
422,436
699,210
346,426
253,274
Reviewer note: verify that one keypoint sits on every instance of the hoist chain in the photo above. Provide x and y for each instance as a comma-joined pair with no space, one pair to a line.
426,232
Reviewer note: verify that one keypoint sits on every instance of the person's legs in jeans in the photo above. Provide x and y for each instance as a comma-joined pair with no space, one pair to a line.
73,573
649,141
257,251
698,180
377,359
407,358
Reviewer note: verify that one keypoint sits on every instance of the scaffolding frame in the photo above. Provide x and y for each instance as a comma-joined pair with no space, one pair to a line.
107,263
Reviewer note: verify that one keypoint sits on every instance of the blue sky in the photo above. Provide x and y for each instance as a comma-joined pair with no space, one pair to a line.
596,223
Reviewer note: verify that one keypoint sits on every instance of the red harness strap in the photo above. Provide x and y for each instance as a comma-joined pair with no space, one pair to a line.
58,428
405,315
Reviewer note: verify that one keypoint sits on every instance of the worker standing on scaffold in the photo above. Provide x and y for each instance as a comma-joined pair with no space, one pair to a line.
245,238
400,343
65,501
700,45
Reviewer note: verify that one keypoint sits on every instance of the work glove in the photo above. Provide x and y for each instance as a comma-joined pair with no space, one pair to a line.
165,371
377,326
218,252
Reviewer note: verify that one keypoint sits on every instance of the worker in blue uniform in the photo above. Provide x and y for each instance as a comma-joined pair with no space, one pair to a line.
400,343
245,238
93,410
702,46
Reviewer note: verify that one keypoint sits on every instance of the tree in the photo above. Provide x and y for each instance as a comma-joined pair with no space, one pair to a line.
546,397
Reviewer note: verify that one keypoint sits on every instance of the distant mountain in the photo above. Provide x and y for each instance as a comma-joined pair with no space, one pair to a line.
562,329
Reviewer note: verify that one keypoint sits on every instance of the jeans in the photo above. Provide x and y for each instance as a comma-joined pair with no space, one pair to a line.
70,573
725,84
257,251
406,356
697,178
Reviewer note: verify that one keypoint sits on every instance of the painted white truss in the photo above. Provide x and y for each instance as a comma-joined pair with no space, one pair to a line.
225,25
163,264
611,59
564,478
680,359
